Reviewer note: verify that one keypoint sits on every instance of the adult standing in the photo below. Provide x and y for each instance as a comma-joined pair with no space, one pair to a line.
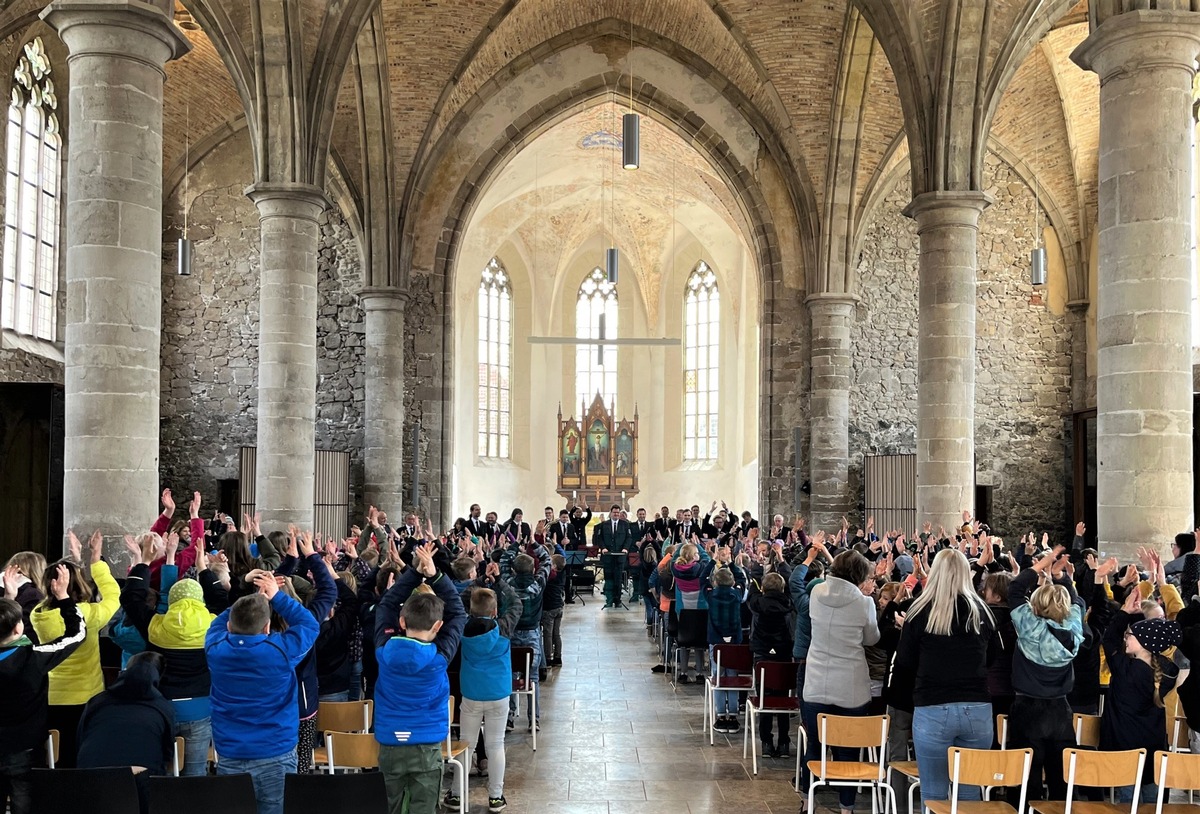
614,539
836,680
944,643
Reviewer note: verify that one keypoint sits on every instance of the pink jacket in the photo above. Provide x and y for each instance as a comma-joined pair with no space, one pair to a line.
185,558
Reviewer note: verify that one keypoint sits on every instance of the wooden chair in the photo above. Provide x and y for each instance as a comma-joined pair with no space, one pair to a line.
1002,730
775,693
52,740
341,716
1087,730
177,755
524,683
457,755
1174,770
1087,767
1178,733
350,751
868,732
690,634
726,657
908,768
988,768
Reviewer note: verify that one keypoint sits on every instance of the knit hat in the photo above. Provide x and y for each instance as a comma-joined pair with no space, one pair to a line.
1156,635
1189,582
185,589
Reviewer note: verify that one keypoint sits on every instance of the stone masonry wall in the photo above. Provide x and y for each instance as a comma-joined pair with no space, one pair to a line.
1022,378
210,332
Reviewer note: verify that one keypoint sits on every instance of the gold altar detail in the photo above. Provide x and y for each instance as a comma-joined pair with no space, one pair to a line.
597,456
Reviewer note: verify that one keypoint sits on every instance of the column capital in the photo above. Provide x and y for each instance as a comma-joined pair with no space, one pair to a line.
96,27
383,298
946,208
288,199
1137,40
831,302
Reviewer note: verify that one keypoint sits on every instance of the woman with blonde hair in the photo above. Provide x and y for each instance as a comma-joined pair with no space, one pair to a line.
1048,620
944,644
23,578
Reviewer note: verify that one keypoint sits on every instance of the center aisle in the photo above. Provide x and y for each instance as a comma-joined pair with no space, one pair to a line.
615,739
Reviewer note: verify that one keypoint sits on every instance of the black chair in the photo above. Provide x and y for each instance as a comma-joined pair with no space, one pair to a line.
362,793
229,794
96,791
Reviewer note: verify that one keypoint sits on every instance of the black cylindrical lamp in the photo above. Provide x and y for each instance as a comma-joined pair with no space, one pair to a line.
185,257
630,141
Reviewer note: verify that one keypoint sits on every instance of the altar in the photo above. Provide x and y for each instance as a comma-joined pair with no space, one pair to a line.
597,456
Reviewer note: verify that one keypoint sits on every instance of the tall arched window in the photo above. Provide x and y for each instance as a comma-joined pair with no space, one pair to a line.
30,282
701,382
495,361
596,318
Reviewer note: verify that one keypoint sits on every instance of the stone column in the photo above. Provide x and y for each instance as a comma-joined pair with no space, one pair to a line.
948,225
1146,63
287,351
383,411
114,258
829,408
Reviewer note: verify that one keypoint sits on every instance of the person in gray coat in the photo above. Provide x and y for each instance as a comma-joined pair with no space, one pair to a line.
837,681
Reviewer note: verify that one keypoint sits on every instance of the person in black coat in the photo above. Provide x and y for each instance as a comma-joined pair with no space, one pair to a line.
615,542
130,724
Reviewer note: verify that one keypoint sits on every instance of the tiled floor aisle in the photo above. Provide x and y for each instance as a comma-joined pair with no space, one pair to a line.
616,740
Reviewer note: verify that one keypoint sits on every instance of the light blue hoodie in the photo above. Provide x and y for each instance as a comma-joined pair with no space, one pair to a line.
486,672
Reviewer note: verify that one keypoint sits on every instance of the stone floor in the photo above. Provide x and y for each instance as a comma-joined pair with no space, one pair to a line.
615,739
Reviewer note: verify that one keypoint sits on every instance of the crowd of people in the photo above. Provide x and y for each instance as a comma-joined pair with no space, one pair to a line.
941,631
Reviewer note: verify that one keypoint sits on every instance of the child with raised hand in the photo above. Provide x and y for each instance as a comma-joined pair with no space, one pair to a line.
1048,620
75,681
414,647
1141,677
255,726
24,667
486,680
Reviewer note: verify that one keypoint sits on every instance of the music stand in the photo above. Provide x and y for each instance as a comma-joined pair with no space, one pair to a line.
574,560
615,589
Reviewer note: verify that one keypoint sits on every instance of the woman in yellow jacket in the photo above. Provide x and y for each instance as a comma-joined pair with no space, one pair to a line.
76,680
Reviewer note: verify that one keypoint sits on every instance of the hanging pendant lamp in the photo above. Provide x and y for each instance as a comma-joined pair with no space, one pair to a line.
1037,266
630,124
612,262
183,250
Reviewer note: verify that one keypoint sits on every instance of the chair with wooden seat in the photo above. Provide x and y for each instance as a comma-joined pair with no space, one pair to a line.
1088,767
52,740
1002,730
736,657
868,732
341,716
457,754
350,752
989,768
524,683
774,694
1174,770
177,757
908,768
1087,730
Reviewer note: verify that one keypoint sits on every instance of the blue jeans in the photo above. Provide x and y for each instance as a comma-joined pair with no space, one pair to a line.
1149,794
356,682
935,729
344,695
812,731
529,638
267,774
726,701
651,606
196,737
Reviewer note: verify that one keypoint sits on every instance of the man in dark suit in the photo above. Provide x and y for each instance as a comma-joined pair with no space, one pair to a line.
686,528
614,540
475,524
560,531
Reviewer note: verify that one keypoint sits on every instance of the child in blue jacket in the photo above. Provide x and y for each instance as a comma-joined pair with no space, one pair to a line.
253,697
414,647
486,680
